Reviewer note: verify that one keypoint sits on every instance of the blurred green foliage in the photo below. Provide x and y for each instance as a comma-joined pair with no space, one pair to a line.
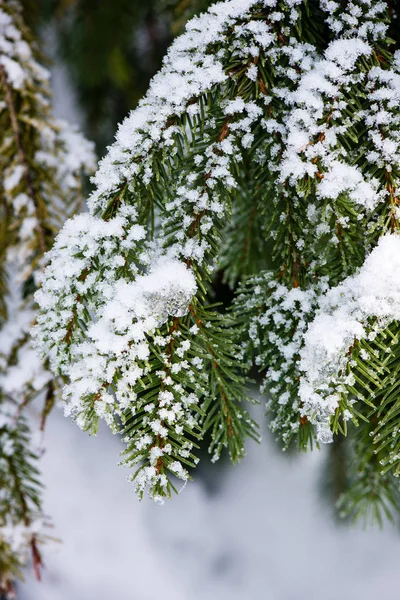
112,49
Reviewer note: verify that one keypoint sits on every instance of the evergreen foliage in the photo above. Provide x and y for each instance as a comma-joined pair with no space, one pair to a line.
267,146
41,163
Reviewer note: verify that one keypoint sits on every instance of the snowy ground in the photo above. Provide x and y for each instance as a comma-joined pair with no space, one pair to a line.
264,533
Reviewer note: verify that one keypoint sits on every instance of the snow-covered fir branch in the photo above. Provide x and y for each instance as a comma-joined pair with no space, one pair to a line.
176,134
267,146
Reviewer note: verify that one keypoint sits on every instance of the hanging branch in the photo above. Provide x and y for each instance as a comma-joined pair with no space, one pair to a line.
267,146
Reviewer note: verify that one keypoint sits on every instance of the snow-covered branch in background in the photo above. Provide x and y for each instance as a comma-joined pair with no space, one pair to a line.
41,162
